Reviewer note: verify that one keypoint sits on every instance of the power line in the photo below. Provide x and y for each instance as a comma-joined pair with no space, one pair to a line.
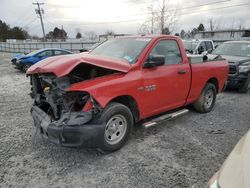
183,8
47,20
213,9
135,20
171,10
40,11
21,21
190,7
137,3
32,21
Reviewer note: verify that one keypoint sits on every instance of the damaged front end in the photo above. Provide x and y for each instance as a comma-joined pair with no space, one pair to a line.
64,117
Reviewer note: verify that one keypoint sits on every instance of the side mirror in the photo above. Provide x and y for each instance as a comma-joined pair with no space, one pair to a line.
83,50
154,61
190,51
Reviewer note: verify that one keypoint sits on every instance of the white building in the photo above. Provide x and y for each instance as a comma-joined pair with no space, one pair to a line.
224,35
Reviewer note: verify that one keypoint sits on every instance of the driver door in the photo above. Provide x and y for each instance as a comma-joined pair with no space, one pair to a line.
165,87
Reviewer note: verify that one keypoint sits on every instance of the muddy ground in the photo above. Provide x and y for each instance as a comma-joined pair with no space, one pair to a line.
179,153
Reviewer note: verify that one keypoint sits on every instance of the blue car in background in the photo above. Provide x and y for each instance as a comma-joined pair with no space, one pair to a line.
23,62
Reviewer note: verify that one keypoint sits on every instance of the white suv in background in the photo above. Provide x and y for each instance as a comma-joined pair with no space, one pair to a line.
201,46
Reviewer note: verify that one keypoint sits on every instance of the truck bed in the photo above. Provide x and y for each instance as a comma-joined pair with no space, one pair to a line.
214,70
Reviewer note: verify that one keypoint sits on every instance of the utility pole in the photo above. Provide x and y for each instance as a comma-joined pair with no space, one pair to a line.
152,18
163,16
40,11
63,38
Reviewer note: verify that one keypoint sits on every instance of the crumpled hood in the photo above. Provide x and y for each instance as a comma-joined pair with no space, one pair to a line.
63,65
232,59
235,171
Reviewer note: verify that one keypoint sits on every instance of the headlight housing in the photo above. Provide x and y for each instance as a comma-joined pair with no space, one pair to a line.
75,101
18,61
244,67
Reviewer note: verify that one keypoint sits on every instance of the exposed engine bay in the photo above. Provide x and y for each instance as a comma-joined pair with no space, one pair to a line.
50,94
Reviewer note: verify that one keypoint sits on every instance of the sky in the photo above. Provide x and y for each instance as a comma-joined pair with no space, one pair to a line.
121,16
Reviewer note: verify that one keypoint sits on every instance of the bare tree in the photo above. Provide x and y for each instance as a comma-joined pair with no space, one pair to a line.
215,24
232,27
148,26
91,35
241,24
162,17
77,30
109,32
211,24
167,16
145,29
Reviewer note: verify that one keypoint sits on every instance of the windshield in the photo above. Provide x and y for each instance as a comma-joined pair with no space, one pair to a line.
127,48
190,45
233,49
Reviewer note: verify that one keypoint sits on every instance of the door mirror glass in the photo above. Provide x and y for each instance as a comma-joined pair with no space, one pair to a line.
154,61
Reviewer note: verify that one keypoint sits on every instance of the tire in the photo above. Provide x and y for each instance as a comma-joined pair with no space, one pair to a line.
25,67
118,122
206,101
244,87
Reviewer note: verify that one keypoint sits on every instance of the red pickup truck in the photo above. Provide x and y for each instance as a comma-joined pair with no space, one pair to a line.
95,99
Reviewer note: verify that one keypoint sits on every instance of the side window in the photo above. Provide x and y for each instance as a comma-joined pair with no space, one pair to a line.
203,46
169,49
46,53
209,45
58,52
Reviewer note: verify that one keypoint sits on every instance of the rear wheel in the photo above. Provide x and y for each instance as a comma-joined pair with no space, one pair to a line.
118,122
207,99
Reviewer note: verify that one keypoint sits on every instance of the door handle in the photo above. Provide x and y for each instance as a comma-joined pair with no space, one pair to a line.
182,72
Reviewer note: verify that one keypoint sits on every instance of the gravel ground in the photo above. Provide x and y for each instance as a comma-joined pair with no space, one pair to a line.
179,153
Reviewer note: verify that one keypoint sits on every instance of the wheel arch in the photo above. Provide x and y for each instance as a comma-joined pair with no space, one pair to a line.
215,82
28,63
130,102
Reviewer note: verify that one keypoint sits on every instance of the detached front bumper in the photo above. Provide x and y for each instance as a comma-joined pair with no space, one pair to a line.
71,130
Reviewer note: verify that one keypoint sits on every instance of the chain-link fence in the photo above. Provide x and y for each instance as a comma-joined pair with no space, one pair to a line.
31,46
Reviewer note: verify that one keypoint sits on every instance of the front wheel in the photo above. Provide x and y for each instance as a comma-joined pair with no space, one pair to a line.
244,87
207,99
25,67
117,120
